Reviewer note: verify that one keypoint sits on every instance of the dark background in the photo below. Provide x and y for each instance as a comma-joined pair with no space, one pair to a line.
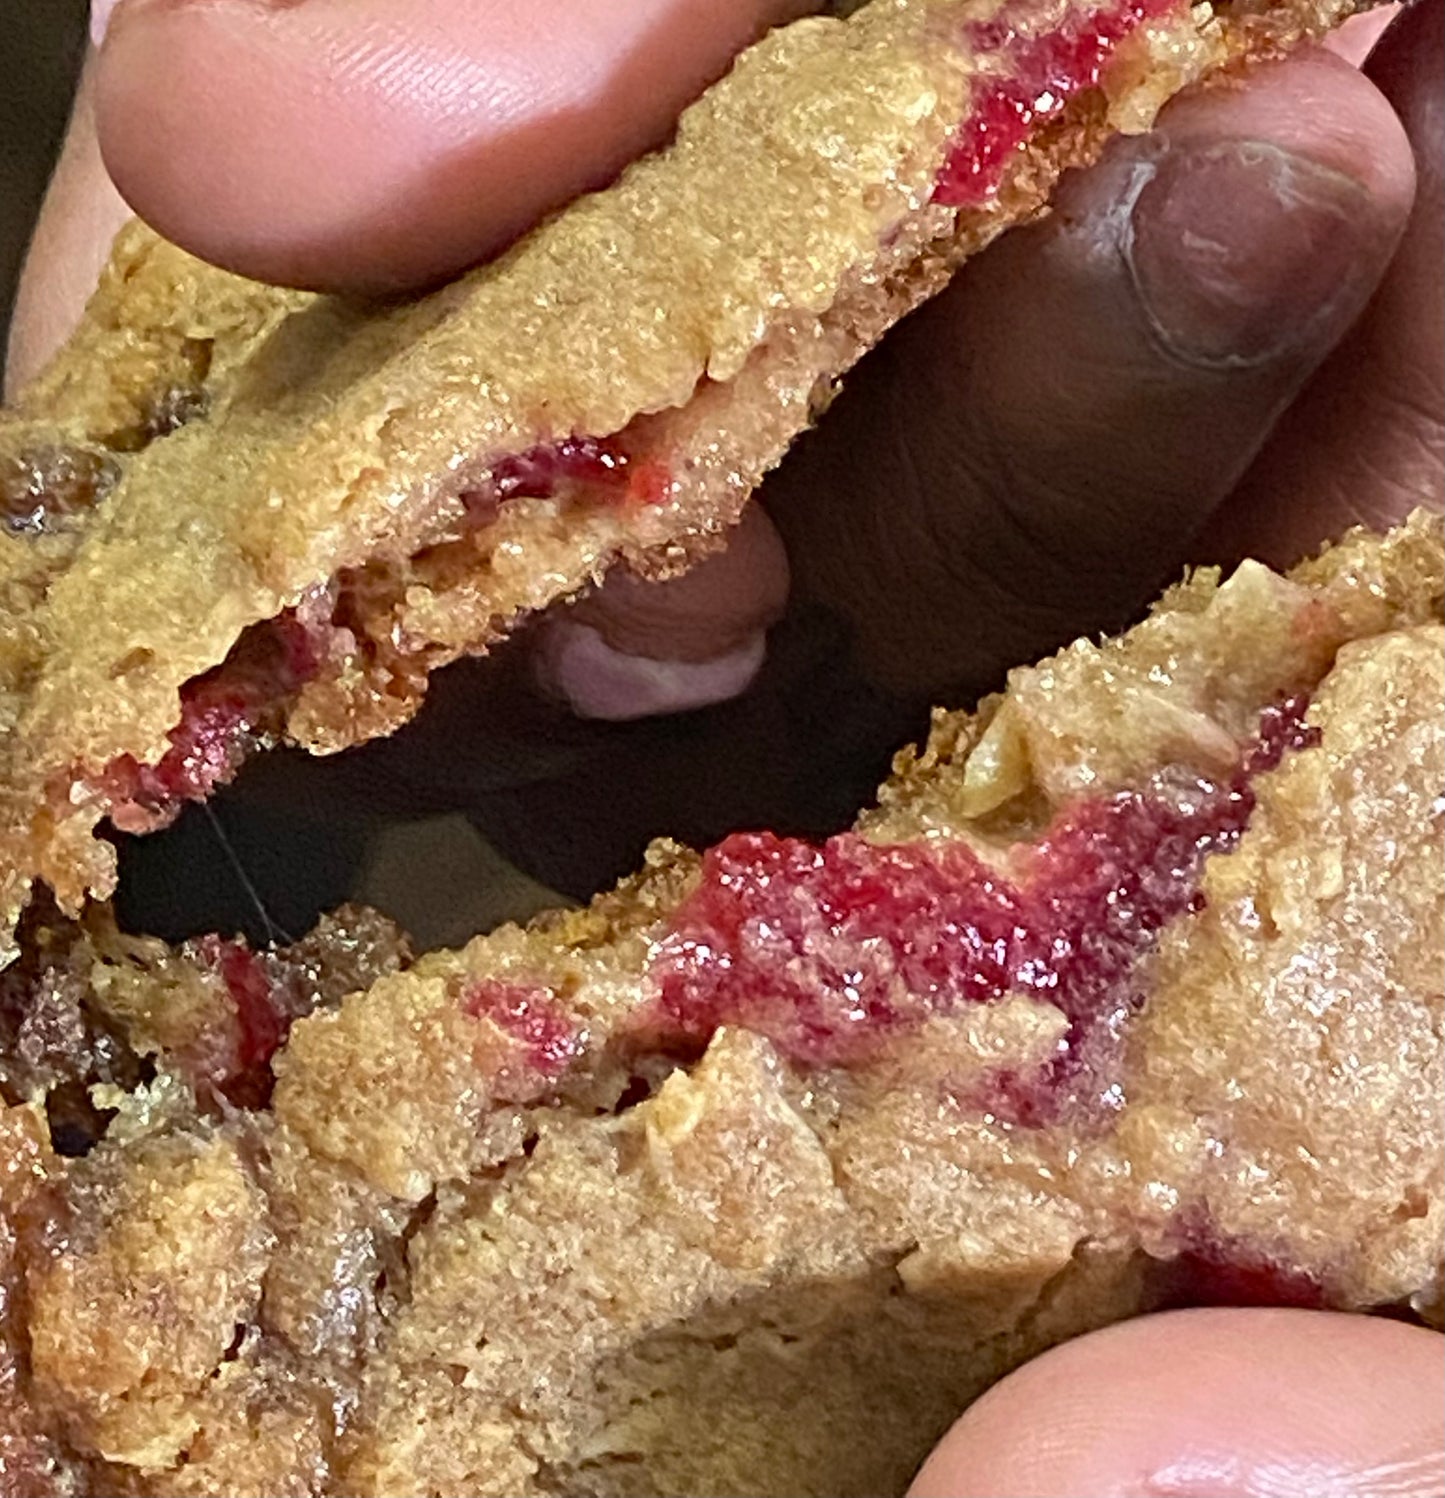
40,49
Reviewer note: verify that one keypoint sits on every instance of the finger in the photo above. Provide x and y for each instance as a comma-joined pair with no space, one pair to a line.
1031,456
638,648
1365,443
81,214
1233,1404
1357,37
381,144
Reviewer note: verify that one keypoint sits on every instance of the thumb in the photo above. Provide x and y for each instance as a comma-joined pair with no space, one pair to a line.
1228,1403
376,145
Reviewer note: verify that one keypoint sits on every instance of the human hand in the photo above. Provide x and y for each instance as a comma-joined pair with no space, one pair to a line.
1027,459
1210,1404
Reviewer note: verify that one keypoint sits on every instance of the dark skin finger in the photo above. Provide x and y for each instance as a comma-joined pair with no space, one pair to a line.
1031,456
1366,439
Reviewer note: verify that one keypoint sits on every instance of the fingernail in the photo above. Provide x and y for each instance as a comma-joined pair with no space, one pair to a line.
1242,253
100,14
579,668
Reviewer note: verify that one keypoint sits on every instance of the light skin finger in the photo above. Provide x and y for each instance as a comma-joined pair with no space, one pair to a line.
379,145
1210,1404
81,215
630,649
345,165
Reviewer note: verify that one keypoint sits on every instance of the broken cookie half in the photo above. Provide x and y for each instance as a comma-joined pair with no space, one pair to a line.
235,515
747,1178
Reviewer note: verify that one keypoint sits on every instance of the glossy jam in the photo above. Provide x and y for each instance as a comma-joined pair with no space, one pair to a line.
585,469
830,950
260,1023
531,1016
537,473
1219,1271
1040,74
224,714
234,1062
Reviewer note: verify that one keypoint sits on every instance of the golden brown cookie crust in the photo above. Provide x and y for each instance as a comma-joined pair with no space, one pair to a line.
702,311
496,1234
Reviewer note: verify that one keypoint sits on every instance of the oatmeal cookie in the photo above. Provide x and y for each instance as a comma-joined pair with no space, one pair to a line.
235,515
747,1178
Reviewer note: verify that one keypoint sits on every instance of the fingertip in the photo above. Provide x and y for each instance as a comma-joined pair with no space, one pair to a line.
101,12
1229,1403
1357,37
578,668
723,601
637,648
1315,105
378,145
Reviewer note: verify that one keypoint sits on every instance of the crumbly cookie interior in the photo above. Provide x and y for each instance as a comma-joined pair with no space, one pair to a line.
531,1218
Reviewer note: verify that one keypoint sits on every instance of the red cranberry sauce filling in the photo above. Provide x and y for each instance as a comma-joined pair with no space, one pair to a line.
231,710
1215,1268
830,950
261,1026
1227,1272
235,1061
529,1015
1042,73
224,714
583,469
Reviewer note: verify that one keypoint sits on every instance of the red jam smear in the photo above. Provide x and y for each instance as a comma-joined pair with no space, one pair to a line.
1043,73
224,715
1230,1272
530,1015
233,709
1282,729
261,1025
537,473
595,469
206,748
238,1067
1208,1281
829,951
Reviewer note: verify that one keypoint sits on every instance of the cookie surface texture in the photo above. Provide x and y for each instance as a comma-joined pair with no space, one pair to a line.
747,1178
235,516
